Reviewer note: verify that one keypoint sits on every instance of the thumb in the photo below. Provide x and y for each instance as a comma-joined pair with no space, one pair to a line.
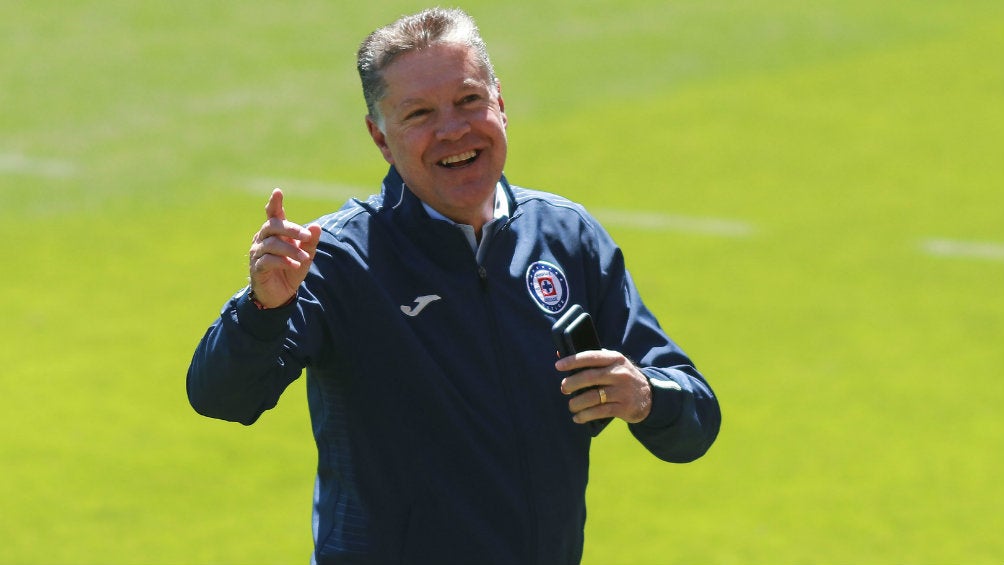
310,245
274,207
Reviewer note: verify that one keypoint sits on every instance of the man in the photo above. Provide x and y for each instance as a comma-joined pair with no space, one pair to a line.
446,430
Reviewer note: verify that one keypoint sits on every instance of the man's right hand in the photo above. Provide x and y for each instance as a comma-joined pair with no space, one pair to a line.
281,254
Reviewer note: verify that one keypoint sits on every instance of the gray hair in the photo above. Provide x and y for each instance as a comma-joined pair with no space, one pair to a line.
410,33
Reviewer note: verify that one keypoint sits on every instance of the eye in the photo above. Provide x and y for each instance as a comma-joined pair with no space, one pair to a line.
415,114
470,99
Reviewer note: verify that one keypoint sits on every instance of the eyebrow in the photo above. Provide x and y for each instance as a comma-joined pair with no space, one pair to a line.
407,102
466,84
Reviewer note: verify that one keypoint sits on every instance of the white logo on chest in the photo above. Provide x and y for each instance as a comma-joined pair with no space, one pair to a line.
420,303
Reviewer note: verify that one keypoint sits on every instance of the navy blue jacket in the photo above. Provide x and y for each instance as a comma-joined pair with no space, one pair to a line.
444,437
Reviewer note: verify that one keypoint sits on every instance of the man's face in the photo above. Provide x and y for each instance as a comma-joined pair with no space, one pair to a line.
444,130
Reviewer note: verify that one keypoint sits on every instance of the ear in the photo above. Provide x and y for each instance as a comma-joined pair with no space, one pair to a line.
379,139
498,88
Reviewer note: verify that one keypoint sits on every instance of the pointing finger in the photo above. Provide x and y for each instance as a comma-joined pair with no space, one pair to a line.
274,207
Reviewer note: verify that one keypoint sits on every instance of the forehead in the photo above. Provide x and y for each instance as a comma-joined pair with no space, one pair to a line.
425,72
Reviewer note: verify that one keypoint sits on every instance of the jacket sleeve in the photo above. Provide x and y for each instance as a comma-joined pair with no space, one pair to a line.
239,369
685,415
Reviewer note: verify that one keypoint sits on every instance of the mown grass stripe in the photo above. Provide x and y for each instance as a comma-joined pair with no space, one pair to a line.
655,221
983,250
18,164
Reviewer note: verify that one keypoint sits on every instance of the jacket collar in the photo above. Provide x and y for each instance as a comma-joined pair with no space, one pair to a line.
396,198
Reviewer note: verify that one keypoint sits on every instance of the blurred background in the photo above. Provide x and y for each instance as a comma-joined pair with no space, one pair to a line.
810,197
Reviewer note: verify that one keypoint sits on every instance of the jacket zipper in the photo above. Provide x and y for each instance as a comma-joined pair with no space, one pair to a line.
510,396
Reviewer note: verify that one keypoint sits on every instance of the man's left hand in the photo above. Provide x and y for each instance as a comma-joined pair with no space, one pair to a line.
618,388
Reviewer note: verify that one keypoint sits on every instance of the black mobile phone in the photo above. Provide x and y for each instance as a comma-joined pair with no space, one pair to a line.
572,333
575,332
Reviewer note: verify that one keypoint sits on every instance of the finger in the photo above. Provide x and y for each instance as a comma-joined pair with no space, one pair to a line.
595,410
269,263
583,400
580,381
310,245
590,397
284,229
274,207
585,377
596,413
584,359
280,247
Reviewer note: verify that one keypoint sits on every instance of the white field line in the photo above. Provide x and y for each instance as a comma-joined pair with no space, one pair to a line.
291,188
18,164
655,221
651,221
983,250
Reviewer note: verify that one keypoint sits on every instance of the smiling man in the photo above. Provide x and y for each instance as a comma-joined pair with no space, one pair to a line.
441,124
447,432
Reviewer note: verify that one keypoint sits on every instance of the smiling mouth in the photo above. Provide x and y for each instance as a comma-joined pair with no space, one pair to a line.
459,160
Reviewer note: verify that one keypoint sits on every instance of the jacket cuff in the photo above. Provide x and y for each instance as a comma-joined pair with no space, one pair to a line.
667,401
264,325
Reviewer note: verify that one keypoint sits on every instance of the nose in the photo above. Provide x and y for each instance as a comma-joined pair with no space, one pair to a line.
452,126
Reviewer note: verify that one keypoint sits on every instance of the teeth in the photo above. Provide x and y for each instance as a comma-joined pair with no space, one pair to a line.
459,158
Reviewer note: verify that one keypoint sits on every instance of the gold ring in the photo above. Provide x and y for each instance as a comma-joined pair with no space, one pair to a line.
603,395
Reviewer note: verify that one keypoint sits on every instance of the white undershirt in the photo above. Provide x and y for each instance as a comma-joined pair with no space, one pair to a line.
487,231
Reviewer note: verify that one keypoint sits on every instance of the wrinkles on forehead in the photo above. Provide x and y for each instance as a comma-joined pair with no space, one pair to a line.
454,67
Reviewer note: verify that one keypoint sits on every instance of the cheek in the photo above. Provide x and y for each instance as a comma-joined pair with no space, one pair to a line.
406,147
498,122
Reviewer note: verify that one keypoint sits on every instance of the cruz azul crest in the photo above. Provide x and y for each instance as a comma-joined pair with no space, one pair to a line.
547,286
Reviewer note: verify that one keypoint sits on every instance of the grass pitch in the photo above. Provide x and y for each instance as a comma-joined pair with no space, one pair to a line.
809,196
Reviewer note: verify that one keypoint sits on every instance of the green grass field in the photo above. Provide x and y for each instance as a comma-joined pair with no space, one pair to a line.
810,196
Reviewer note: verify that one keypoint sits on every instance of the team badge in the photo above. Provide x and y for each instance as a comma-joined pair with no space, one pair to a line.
547,286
